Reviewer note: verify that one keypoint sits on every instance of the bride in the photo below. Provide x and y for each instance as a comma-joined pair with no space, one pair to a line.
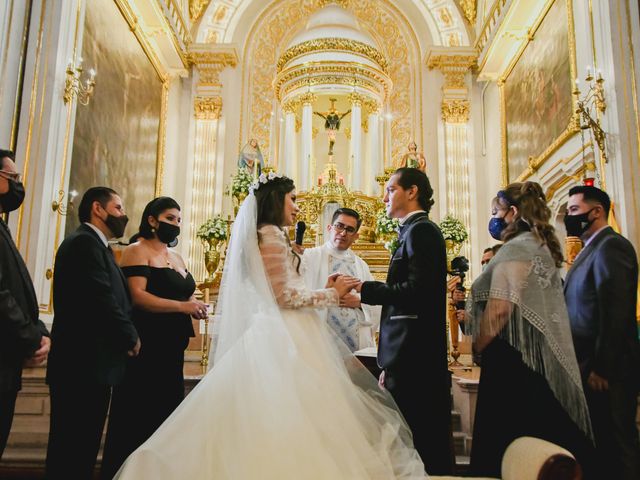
282,400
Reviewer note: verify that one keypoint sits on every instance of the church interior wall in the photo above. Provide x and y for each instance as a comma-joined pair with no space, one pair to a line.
47,123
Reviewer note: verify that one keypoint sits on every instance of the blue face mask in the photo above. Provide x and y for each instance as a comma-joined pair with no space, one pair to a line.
496,226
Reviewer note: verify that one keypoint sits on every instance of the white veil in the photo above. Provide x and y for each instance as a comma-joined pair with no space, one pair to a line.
245,292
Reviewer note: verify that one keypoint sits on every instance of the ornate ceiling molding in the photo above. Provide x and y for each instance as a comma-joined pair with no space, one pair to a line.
335,45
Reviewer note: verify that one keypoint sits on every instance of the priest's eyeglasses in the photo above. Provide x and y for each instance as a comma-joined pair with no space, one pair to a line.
341,227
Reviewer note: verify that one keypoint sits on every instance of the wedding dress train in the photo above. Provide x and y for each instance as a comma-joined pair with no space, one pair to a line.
283,399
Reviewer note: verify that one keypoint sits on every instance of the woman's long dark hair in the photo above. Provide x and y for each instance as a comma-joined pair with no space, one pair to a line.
270,199
533,215
154,208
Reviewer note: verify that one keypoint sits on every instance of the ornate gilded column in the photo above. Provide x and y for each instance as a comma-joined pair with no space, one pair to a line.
289,160
207,172
455,108
307,100
374,165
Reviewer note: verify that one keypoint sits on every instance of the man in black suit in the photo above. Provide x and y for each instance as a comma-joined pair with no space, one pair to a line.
23,337
92,335
412,346
601,293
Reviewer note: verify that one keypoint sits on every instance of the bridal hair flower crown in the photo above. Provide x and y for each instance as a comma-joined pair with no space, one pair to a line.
264,179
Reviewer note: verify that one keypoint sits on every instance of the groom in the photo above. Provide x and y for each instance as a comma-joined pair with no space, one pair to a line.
412,349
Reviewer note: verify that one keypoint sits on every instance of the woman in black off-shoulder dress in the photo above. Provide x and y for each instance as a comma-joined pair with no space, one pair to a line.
162,294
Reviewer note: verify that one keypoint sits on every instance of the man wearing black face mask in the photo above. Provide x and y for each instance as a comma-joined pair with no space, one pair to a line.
92,335
23,337
601,290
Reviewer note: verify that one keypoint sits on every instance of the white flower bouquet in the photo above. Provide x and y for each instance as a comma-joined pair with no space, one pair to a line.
453,229
240,183
213,229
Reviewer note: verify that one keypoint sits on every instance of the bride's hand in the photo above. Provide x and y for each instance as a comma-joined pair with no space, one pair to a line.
344,284
331,279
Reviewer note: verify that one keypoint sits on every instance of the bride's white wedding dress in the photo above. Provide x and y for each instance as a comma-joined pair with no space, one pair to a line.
282,401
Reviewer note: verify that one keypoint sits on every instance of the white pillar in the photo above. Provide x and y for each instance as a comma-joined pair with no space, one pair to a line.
355,179
289,144
375,166
305,147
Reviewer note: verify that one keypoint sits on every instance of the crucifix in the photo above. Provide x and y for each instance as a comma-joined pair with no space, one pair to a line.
332,122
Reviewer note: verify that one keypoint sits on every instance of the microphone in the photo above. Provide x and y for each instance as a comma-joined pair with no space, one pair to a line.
300,228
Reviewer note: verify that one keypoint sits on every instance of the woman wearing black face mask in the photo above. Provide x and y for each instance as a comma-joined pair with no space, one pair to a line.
162,294
530,382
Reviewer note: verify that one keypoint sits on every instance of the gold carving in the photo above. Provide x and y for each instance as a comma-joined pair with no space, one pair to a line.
197,8
353,74
453,67
347,132
469,9
455,111
490,24
291,106
207,108
210,64
221,12
307,98
445,17
334,44
378,17
357,99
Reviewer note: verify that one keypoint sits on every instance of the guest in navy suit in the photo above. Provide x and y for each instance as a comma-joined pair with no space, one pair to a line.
92,335
601,293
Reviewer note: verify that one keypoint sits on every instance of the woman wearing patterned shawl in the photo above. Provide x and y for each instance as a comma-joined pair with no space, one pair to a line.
530,383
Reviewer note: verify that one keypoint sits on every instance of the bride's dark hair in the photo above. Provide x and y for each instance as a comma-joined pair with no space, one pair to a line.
533,215
270,199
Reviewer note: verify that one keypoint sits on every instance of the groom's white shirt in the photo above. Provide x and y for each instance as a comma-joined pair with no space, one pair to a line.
316,263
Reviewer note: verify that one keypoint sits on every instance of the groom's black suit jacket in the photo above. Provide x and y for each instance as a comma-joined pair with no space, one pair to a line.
92,327
413,322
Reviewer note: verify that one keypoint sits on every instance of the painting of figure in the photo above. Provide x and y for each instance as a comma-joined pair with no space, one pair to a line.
116,135
537,94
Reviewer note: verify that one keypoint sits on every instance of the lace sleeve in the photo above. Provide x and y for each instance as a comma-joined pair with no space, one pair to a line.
288,288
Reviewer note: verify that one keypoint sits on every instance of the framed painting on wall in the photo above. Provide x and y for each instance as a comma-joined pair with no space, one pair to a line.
118,140
537,100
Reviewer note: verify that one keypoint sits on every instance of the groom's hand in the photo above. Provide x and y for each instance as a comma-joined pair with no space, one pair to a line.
331,280
358,287
350,300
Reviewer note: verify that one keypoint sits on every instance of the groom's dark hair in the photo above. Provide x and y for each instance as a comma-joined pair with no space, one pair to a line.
408,177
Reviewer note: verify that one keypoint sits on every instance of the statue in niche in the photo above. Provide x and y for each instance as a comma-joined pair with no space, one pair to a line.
251,158
413,158
332,120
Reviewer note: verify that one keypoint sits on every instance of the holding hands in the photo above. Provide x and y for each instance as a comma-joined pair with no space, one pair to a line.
342,283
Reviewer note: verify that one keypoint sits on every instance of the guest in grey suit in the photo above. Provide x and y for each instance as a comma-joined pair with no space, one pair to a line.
601,293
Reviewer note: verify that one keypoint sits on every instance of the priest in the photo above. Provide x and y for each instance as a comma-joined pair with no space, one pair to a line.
355,324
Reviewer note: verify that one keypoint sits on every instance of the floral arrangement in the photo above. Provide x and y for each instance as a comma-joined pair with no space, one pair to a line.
388,226
453,229
213,229
240,182
262,179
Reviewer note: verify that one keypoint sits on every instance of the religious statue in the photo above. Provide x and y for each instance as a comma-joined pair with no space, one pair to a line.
413,158
332,122
251,158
